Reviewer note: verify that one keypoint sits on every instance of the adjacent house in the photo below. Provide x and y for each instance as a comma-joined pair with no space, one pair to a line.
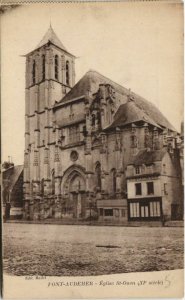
12,192
153,186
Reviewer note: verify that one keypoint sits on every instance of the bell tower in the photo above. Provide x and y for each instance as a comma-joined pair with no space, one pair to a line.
50,74
51,61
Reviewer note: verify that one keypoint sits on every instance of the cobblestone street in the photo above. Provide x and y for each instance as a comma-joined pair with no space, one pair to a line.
63,250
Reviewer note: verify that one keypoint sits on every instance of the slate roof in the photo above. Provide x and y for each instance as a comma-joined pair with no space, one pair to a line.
50,36
90,82
148,157
130,113
11,175
140,109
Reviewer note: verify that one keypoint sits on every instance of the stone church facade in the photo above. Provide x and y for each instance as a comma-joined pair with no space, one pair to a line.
82,141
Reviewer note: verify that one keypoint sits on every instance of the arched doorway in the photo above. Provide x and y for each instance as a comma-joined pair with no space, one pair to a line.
73,191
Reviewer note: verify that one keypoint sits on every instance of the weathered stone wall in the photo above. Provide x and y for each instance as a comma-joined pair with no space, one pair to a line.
171,186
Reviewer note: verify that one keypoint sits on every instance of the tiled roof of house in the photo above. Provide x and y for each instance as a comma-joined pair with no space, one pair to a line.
148,157
143,108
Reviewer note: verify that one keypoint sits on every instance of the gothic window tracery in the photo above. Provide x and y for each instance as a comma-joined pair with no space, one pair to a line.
98,176
63,62
67,73
113,181
74,155
56,67
42,187
53,182
137,170
74,134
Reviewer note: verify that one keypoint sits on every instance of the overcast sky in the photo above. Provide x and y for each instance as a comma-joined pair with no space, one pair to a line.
139,45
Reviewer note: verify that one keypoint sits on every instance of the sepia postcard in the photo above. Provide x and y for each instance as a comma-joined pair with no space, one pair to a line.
92,149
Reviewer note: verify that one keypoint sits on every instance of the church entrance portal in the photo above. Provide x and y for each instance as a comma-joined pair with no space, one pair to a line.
74,205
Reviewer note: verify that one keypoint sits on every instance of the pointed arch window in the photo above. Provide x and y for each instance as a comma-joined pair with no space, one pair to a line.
43,67
98,176
67,73
53,182
56,67
113,181
33,71
42,187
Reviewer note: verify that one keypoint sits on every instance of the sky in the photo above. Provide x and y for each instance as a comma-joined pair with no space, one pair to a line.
137,44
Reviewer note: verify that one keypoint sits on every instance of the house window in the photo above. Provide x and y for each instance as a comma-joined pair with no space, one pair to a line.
155,210
150,188
43,67
56,67
137,170
134,210
165,189
74,134
98,175
108,212
113,181
33,72
144,211
138,188
67,73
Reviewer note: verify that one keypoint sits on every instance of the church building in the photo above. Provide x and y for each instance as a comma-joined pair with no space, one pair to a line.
94,149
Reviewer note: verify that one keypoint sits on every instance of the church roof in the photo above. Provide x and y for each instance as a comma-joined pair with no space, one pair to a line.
50,36
130,113
90,82
140,109
148,157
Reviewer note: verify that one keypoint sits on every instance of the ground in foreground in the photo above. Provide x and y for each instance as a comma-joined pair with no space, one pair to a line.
64,250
